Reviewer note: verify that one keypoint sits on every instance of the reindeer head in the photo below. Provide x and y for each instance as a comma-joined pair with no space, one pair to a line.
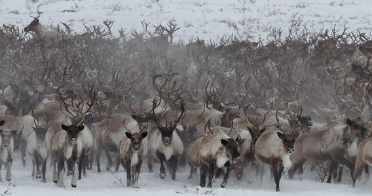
169,127
355,129
40,130
299,122
227,155
6,136
72,131
288,140
136,139
232,147
34,26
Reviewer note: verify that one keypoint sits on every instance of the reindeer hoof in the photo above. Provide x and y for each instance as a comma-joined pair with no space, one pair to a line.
73,185
277,189
162,175
8,179
55,181
223,185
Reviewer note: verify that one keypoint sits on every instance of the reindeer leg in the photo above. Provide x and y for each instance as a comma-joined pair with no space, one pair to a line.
1,165
61,168
74,176
162,162
44,169
33,167
129,173
38,172
9,168
23,152
275,172
358,169
211,170
333,166
339,174
138,171
81,164
109,160
55,171
117,163
149,163
173,161
203,175
192,171
227,174
98,159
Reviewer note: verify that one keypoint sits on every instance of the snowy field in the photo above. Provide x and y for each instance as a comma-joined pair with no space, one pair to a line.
207,19
113,184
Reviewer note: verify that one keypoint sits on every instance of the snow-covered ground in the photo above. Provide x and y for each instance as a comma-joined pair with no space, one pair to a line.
112,184
207,19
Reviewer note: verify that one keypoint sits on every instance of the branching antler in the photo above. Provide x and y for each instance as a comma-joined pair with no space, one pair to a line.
78,105
168,125
168,88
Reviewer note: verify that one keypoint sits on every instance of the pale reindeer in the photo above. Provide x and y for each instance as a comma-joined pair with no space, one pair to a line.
273,147
165,143
6,149
211,152
336,145
38,151
109,133
363,158
132,151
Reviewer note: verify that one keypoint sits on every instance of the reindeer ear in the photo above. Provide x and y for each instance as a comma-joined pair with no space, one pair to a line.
128,134
80,127
65,127
281,135
239,140
144,134
2,122
349,122
224,142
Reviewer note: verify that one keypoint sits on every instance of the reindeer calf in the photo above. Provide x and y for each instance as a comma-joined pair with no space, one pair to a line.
131,155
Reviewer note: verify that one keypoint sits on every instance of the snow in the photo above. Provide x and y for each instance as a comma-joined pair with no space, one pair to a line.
110,183
207,19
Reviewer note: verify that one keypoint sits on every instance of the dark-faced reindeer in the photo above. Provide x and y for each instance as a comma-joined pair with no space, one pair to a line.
42,32
38,151
165,143
73,143
212,152
132,151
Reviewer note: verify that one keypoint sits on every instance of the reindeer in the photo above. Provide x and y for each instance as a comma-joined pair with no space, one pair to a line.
37,149
212,152
334,145
363,158
273,147
165,142
132,150
6,149
42,32
73,143
109,133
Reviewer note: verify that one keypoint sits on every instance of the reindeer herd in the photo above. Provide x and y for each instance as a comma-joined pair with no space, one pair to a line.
66,133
